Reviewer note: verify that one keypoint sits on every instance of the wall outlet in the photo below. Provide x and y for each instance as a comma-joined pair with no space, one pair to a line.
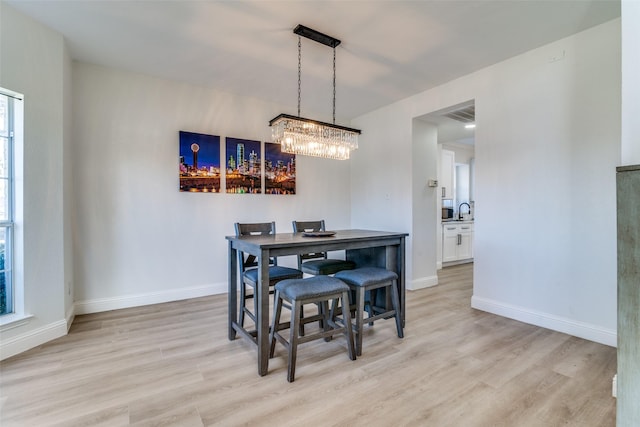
432,183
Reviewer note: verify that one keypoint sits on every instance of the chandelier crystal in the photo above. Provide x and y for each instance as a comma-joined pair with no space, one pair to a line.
307,137
297,135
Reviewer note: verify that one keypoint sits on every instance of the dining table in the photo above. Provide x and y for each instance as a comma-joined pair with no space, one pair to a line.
367,248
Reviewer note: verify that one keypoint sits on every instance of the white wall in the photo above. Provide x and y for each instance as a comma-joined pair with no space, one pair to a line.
630,83
381,177
33,61
424,207
547,143
139,240
68,194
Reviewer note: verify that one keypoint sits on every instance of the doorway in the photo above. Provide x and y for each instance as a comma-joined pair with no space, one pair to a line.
455,137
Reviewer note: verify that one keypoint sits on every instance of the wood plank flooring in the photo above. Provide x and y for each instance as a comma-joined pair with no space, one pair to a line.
172,365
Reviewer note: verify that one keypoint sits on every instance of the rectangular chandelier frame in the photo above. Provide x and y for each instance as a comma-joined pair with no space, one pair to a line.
317,122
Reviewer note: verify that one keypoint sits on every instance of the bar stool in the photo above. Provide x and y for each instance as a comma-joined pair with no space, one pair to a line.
318,263
371,279
297,292
250,273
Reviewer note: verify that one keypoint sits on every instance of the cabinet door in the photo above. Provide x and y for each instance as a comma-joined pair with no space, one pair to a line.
447,162
465,248
449,243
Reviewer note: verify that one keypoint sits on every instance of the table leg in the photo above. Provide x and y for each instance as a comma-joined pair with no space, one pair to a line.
263,313
401,279
232,291
395,262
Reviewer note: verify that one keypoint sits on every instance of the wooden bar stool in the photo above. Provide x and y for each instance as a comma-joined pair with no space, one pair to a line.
318,263
318,290
250,273
370,279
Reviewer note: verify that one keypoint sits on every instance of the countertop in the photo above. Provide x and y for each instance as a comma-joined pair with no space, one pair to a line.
457,221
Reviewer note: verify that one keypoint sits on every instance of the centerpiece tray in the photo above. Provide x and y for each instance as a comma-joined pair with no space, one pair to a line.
319,233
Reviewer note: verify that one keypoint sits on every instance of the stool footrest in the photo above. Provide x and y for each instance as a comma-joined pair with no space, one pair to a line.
385,315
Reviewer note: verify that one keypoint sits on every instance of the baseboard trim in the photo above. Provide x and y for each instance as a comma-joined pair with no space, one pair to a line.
423,282
70,315
545,320
127,301
12,346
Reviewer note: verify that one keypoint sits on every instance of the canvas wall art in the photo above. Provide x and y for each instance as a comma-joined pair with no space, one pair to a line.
243,168
279,170
199,162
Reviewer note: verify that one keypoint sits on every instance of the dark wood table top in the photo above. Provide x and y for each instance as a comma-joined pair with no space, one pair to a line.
282,240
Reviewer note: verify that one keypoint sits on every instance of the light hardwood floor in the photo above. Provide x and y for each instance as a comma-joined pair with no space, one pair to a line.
172,365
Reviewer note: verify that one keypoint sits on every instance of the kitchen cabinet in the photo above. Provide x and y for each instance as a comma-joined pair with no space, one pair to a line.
447,169
457,241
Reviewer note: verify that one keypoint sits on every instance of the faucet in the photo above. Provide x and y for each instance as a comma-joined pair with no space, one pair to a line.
460,207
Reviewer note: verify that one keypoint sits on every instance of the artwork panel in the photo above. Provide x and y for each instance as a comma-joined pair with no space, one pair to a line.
243,166
279,170
199,162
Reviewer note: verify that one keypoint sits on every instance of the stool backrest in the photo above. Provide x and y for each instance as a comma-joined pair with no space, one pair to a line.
302,226
253,229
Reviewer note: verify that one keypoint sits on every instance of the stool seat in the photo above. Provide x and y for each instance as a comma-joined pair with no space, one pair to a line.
276,272
366,276
326,267
312,287
370,279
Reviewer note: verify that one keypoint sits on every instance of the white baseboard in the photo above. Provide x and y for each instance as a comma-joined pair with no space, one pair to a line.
423,282
15,345
70,315
12,346
127,301
545,320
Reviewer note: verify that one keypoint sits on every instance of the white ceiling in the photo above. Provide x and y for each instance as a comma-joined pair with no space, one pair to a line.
390,49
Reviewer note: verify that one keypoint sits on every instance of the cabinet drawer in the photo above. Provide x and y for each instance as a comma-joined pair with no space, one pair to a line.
449,229
465,228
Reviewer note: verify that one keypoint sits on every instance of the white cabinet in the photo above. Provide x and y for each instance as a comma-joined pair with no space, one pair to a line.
457,241
447,169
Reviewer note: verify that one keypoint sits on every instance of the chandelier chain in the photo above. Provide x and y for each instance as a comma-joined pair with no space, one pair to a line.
334,85
299,71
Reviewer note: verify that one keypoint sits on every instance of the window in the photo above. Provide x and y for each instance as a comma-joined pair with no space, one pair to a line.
7,133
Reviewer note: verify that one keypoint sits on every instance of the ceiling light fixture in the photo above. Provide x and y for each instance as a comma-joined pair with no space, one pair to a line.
470,126
307,137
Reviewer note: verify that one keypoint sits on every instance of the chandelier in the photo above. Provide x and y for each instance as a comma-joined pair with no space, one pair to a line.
297,135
